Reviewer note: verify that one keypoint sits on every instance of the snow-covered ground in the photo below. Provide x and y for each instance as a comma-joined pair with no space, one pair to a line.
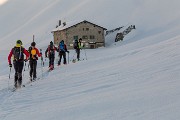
114,83
136,79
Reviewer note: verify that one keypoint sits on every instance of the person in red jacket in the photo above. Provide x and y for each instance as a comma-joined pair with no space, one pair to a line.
50,53
18,62
34,54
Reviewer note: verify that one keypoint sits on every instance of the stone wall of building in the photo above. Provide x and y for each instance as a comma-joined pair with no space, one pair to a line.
92,35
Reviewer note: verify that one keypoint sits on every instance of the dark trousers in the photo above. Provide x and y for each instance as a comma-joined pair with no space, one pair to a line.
78,53
18,66
62,54
51,61
33,65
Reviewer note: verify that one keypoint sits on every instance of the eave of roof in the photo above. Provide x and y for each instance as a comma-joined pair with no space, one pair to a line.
67,26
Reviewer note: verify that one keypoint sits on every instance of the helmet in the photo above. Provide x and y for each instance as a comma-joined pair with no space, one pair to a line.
33,44
51,43
62,41
19,42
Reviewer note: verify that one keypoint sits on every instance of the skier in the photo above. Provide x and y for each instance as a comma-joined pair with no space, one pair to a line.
51,54
34,54
78,47
62,52
18,62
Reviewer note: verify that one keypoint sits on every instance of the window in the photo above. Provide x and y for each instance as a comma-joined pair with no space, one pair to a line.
75,37
87,29
85,37
99,32
92,37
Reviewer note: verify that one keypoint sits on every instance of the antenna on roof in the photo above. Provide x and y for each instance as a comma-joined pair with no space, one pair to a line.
64,24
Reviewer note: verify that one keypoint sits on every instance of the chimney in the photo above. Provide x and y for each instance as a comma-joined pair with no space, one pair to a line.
59,22
64,23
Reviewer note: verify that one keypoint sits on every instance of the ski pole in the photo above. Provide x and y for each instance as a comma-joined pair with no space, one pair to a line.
28,66
74,54
85,54
9,77
24,68
42,71
42,65
10,73
42,61
68,57
41,57
73,59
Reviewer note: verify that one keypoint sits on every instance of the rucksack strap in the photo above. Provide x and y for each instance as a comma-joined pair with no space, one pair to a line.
19,55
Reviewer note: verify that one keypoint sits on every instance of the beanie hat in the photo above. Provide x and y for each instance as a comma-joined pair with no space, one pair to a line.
33,44
19,42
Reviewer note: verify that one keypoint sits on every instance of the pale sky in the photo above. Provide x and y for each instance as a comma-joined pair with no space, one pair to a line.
3,1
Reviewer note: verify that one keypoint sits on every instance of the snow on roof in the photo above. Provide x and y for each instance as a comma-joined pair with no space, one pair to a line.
72,23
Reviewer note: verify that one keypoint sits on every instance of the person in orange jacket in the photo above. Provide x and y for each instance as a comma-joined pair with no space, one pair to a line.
18,62
34,54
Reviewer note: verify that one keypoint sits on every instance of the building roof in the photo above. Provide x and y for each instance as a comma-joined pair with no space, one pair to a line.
72,24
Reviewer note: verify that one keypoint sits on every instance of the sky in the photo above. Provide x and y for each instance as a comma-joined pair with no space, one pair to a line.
3,1
40,18
135,79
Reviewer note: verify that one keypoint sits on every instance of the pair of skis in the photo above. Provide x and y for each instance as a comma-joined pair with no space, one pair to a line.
24,85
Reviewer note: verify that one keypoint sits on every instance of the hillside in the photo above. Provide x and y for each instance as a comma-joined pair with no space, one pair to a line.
114,83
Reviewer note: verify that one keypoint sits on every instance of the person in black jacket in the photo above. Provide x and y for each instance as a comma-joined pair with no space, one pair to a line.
78,47
34,54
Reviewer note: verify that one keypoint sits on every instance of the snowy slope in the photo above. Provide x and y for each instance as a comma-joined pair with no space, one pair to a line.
142,83
137,79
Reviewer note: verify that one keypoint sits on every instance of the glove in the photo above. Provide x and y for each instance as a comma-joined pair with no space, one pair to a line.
35,57
67,51
25,60
10,65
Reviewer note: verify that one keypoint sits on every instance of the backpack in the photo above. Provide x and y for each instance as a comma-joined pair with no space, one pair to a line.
32,53
51,49
75,44
18,53
61,46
